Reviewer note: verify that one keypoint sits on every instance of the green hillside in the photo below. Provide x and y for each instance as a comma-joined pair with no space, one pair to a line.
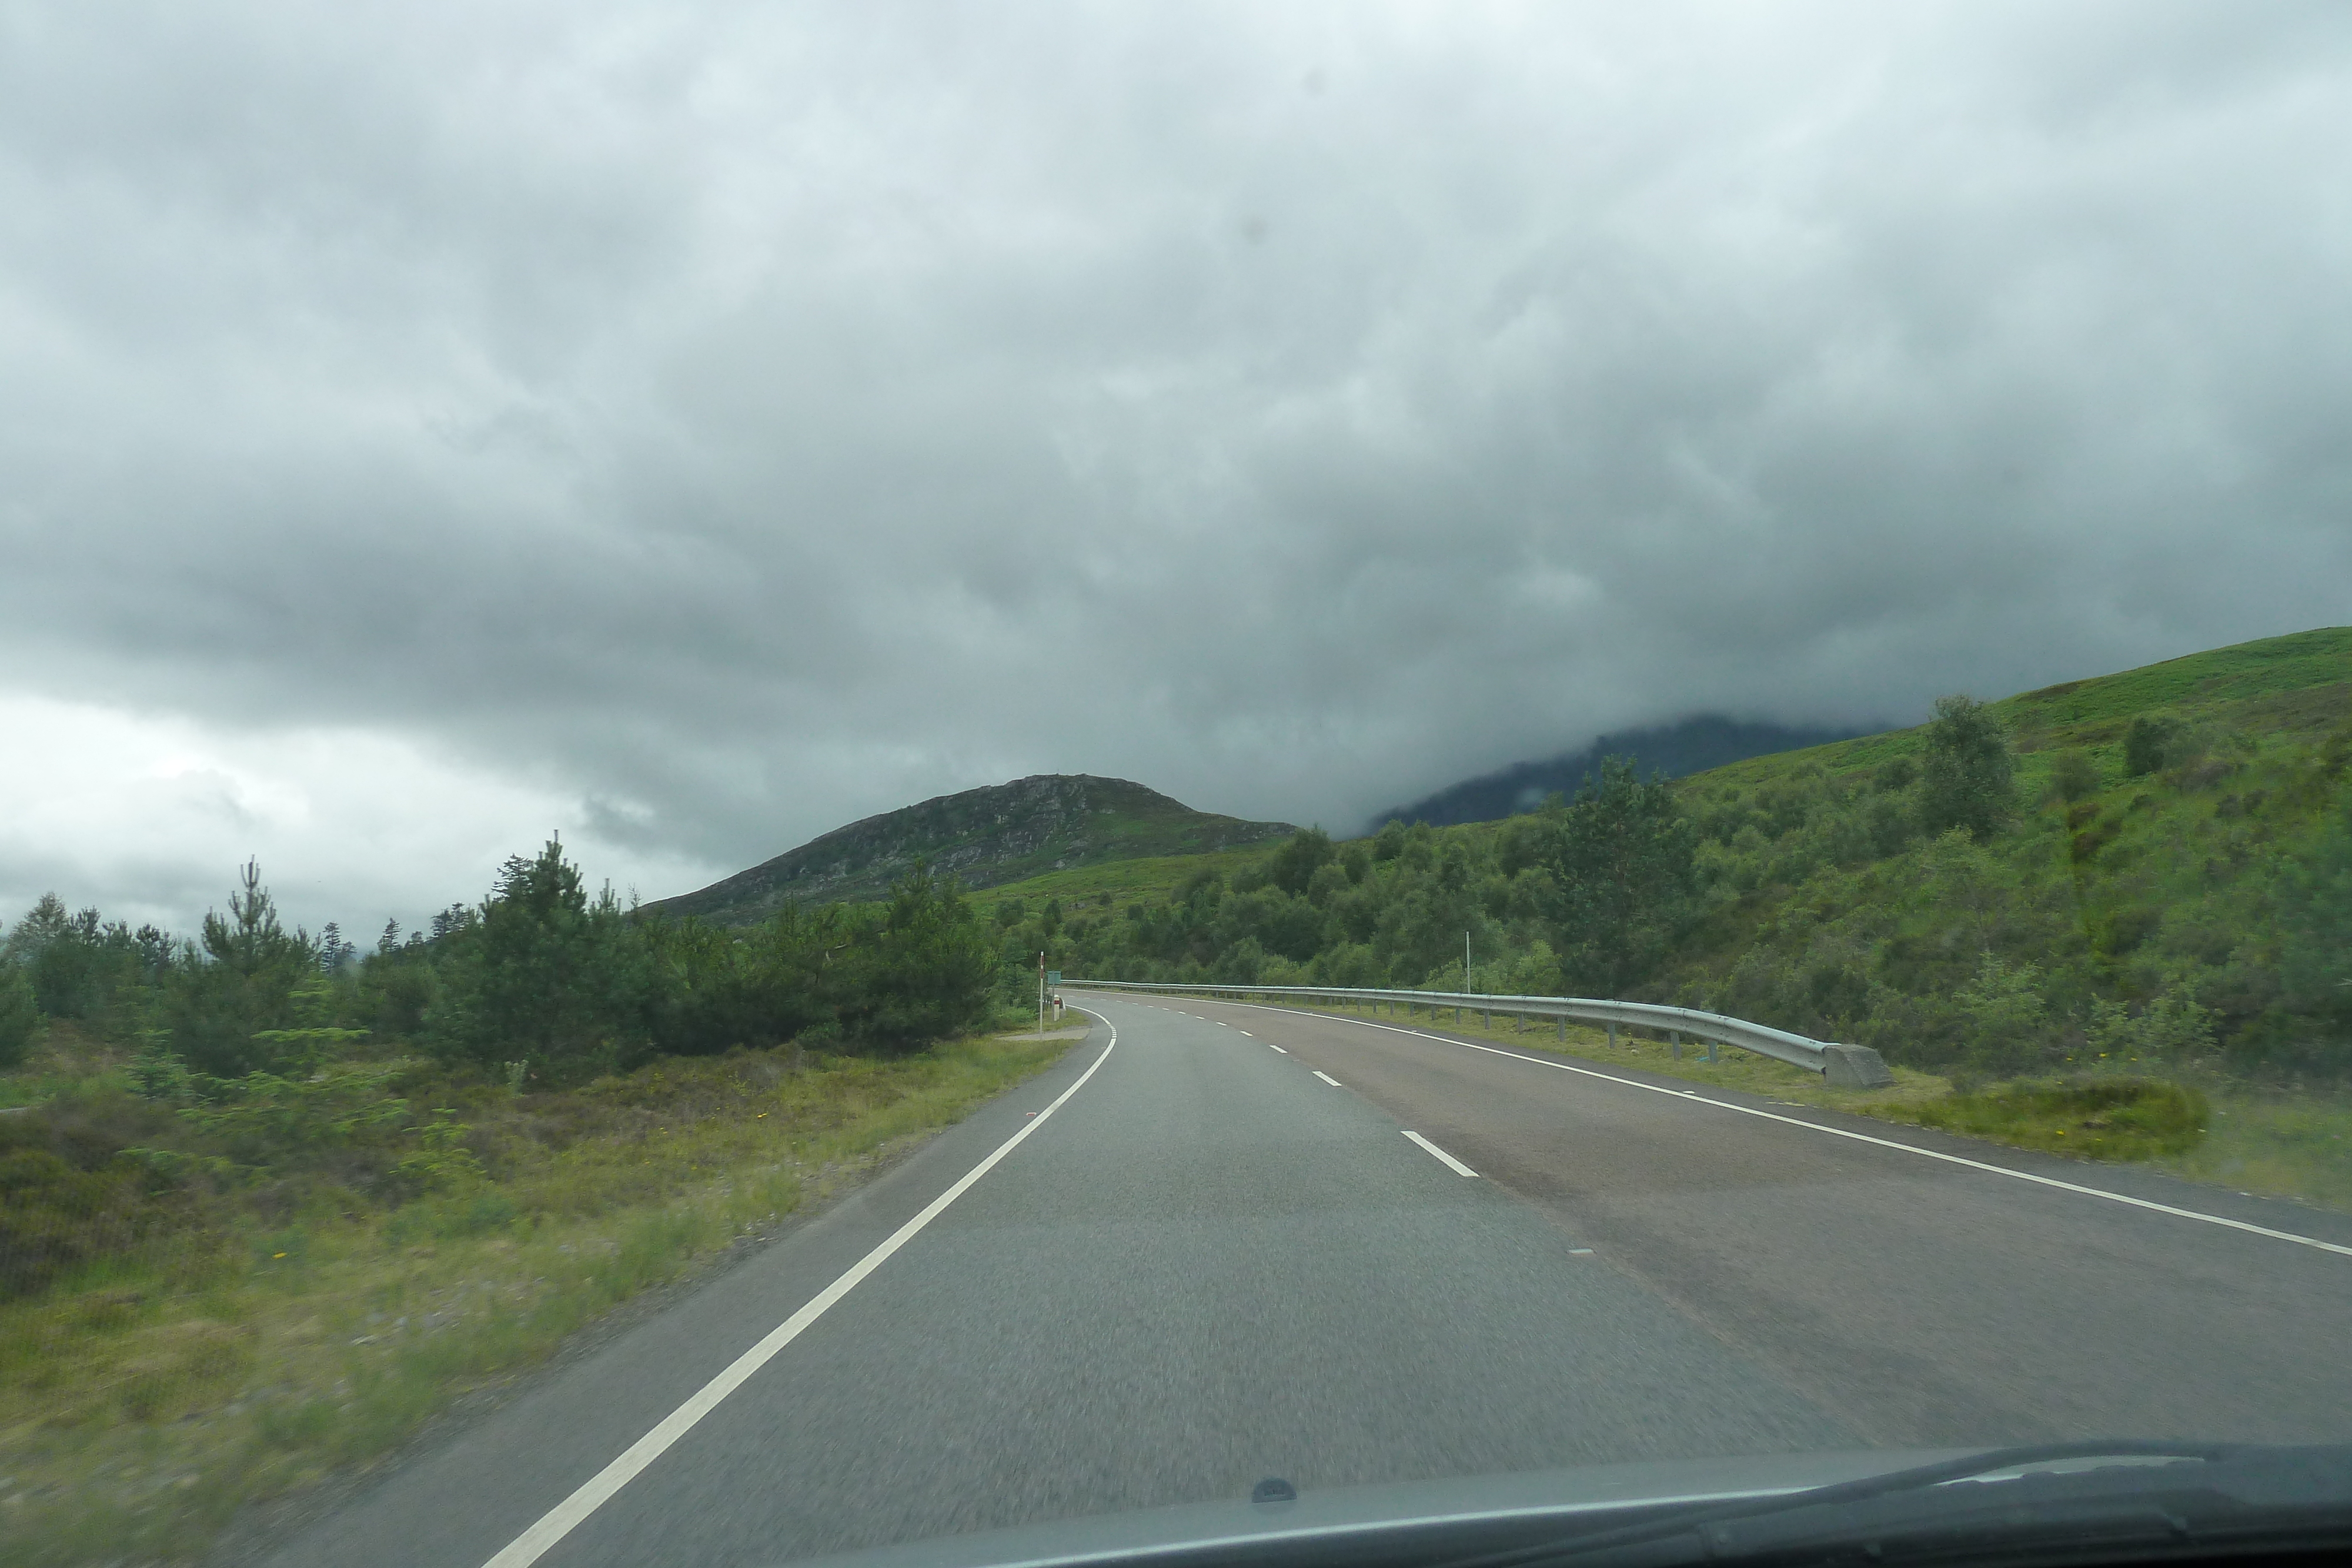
2168,908
2280,685
985,837
2183,897
1153,879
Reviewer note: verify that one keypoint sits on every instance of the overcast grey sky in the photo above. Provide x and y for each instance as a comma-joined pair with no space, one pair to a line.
696,426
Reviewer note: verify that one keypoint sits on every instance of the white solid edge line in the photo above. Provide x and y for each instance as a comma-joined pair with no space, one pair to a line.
1323,1075
559,1521
1692,1094
1448,1161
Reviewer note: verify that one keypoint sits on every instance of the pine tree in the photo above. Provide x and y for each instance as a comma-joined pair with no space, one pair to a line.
549,975
72,962
922,973
217,1007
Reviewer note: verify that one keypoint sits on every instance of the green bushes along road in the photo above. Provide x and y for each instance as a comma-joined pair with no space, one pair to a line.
268,1204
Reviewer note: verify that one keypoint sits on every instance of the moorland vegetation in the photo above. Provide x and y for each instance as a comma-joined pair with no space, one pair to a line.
268,1202
2149,868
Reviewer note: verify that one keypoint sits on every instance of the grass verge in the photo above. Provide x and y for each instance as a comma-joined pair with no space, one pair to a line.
144,1402
2276,1144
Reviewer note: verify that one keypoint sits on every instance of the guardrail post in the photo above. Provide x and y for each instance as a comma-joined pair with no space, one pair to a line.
1675,1036
1612,1034
1563,1029
1710,1050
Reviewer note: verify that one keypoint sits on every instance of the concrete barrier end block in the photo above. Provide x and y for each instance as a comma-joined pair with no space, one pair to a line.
1855,1067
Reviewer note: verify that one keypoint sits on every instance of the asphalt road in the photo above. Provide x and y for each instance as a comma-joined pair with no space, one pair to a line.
1216,1260
1923,1304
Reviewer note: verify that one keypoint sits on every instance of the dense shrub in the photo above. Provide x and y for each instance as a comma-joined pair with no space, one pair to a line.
1622,858
2147,744
2073,776
1967,777
72,1193
2316,928
20,1015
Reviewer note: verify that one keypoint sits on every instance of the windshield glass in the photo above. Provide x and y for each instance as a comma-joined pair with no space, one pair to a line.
784,781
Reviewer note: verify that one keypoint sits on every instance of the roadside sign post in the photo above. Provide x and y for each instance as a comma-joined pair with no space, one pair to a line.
1465,975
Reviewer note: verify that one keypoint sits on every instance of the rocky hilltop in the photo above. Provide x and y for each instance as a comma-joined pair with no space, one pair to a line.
996,835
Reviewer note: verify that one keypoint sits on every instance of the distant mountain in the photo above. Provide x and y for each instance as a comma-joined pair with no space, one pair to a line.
1693,746
999,833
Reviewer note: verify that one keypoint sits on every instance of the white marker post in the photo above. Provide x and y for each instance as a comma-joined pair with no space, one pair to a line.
1465,973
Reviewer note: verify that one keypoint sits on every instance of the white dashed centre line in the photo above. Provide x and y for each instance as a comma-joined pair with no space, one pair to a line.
1271,1045
1448,1161
1324,1076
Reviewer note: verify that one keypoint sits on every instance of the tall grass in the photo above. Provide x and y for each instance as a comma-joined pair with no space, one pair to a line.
2104,1118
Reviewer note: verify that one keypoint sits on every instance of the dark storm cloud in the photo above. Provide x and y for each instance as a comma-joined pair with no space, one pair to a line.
739,424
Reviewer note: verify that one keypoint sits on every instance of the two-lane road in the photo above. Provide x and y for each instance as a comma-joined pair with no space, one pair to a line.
1217,1255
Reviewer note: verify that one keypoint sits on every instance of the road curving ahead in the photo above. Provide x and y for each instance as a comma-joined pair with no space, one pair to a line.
1249,1242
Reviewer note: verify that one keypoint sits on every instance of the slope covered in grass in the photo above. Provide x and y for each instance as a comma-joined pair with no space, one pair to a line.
2183,897
2297,684
2168,908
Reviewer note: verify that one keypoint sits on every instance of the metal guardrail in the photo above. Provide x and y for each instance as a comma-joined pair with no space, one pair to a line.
1847,1066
